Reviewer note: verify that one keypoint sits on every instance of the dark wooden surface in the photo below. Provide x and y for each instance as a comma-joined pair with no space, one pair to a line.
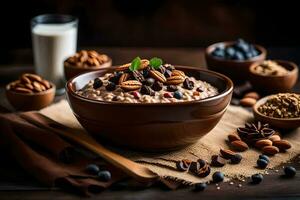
16,184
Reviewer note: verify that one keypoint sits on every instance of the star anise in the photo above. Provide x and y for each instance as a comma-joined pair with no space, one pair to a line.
255,131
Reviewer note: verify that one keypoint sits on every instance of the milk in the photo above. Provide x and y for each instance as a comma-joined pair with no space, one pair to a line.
52,44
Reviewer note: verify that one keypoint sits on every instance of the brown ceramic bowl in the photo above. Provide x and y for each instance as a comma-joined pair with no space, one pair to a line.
72,71
237,70
285,123
151,126
34,101
274,84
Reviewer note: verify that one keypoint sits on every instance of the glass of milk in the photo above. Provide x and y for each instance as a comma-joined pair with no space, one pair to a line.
54,38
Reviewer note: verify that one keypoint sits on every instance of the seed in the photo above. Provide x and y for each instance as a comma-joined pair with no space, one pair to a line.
282,144
236,159
239,145
262,164
104,176
233,137
262,143
247,102
200,186
218,177
257,178
92,169
264,157
270,150
289,171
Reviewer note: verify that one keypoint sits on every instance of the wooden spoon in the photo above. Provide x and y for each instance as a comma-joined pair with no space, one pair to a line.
133,169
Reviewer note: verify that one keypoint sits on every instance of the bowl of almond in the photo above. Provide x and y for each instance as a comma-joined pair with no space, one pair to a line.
85,61
30,92
149,105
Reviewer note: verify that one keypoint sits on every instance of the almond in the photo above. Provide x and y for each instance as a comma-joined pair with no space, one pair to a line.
262,143
176,72
157,76
175,80
29,86
131,85
33,77
45,83
22,90
123,67
247,102
25,79
37,87
226,153
282,144
239,145
124,77
274,138
270,150
253,95
233,137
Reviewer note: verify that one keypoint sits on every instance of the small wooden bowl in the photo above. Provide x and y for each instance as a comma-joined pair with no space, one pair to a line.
281,123
237,70
72,71
33,101
274,84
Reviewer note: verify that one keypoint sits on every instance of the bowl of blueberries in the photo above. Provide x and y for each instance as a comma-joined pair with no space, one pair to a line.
233,58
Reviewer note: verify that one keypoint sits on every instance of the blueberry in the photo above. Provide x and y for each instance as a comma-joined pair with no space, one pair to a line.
92,169
104,176
219,53
257,178
253,51
238,56
177,94
230,52
149,82
145,72
110,86
244,47
172,88
236,159
248,55
261,163
200,186
289,171
240,40
97,83
218,177
264,157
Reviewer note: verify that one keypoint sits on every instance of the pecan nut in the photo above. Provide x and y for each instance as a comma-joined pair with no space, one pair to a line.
157,76
175,80
131,85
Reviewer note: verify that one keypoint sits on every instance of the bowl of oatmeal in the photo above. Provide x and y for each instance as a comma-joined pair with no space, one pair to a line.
149,108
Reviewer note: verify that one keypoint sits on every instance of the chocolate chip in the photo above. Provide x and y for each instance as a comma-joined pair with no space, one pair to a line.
147,90
172,88
187,84
217,161
97,83
157,86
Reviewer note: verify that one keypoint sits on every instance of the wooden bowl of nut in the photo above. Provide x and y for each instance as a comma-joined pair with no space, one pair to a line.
233,58
273,76
149,106
85,61
30,92
280,110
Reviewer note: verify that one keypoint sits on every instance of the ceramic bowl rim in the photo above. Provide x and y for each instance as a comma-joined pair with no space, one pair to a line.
263,100
228,90
211,47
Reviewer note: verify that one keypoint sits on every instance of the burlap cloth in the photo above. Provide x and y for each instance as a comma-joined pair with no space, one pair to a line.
164,165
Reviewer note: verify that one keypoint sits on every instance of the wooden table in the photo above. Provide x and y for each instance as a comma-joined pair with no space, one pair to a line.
16,184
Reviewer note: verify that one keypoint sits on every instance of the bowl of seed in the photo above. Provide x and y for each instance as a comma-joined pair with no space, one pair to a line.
280,110
273,76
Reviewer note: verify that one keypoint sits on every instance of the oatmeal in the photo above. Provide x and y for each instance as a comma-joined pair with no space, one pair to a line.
144,81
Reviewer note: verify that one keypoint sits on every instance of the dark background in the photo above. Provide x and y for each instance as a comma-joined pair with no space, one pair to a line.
155,23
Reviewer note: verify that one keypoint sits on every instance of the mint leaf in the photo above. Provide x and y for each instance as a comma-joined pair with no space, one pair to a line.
156,62
135,64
